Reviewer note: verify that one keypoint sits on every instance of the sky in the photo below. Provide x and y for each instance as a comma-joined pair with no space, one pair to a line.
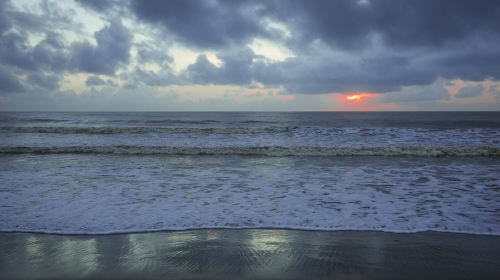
231,55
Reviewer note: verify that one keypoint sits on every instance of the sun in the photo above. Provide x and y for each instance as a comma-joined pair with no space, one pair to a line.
355,98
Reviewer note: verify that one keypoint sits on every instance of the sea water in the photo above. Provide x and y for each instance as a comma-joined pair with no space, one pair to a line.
132,172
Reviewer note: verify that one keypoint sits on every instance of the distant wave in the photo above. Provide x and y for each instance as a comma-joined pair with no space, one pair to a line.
139,129
252,121
30,120
260,151
173,121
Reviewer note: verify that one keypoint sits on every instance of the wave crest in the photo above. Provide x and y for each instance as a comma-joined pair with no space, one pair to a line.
259,151
141,129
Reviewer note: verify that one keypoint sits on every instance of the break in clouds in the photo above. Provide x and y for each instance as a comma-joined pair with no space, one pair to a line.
113,53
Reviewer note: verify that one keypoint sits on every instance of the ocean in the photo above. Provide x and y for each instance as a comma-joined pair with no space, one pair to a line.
97,173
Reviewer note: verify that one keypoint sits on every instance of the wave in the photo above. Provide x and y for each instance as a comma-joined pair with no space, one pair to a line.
253,121
172,121
139,129
259,151
280,227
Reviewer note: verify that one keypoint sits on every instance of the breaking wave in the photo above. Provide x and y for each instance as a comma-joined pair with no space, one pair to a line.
260,151
140,129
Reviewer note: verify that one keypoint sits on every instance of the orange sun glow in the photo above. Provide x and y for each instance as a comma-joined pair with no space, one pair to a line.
360,101
354,97
358,97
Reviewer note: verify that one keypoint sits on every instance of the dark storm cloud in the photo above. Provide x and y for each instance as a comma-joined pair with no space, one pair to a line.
338,46
327,73
203,24
321,73
345,23
421,23
112,50
424,40
469,61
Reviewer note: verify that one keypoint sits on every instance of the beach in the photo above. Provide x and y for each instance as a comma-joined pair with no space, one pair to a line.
251,254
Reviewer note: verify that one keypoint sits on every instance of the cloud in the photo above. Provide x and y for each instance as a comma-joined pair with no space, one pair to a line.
203,24
96,81
203,72
403,50
150,78
149,53
44,81
112,50
9,83
410,94
470,91
236,68
4,21
379,47
401,24
99,5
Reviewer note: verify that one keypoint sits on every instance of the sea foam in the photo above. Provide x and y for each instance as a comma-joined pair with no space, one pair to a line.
92,194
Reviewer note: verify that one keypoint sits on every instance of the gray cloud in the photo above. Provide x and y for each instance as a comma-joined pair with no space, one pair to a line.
44,81
401,24
470,91
100,5
112,50
204,24
318,73
203,72
148,53
150,78
236,68
96,81
4,22
432,92
383,46
15,49
421,41
9,83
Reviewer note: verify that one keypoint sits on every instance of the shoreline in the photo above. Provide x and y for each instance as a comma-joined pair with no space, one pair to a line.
194,229
251,254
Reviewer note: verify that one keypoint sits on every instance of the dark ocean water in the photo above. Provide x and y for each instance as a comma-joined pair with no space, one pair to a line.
123,172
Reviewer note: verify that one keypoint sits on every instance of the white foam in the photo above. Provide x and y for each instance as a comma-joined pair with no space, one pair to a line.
90,194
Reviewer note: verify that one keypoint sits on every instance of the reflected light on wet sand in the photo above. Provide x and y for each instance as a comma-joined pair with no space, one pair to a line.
251,254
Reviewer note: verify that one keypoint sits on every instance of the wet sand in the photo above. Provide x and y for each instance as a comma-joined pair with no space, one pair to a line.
251,254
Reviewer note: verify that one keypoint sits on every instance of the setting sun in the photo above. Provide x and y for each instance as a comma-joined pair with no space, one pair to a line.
358,97
354,97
